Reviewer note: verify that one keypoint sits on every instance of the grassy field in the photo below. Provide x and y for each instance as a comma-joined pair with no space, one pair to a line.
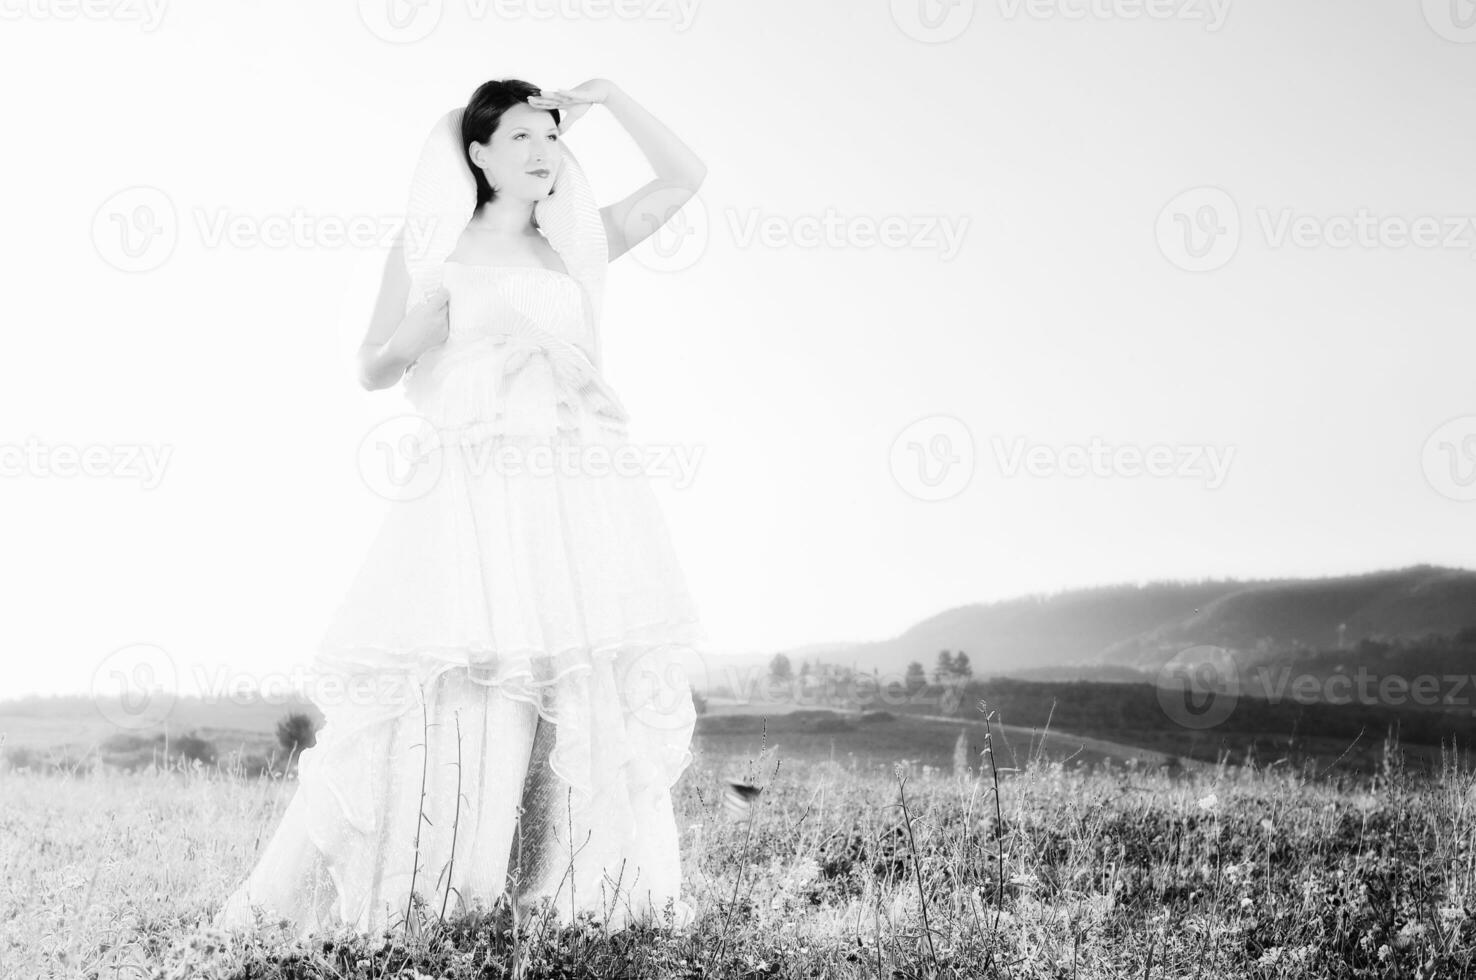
1076,866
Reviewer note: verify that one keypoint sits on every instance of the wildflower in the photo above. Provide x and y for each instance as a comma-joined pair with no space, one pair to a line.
1267,825
1209,802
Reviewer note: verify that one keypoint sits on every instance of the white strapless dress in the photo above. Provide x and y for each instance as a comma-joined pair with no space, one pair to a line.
512,619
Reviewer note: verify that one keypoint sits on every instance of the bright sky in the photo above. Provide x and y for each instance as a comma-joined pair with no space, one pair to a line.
1234,239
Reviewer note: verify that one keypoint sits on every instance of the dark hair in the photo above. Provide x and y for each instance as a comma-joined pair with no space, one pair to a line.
483,113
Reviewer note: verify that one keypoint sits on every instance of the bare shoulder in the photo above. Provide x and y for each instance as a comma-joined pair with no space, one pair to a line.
467,246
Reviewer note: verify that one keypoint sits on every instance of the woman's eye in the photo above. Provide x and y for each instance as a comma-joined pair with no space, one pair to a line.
553,136
520,136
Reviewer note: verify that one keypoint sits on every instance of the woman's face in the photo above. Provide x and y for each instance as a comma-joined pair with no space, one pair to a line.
526,140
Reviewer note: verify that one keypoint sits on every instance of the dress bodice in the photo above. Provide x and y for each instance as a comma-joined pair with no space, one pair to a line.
519,357
487,300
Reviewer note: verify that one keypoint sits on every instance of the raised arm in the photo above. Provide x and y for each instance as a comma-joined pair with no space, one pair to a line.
679,172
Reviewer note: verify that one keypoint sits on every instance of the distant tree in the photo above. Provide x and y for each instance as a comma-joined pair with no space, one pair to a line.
917,677
780,668
804,670
295,733
1370,647
962,669
194,748
943,671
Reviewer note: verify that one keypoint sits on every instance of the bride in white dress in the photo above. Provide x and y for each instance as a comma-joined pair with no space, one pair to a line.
504,687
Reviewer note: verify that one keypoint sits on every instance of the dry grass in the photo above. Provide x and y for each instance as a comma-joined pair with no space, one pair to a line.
1061,873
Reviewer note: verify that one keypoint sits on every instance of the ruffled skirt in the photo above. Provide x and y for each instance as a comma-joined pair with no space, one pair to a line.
511,620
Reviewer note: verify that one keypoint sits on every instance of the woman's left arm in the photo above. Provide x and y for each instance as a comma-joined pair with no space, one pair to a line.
679,172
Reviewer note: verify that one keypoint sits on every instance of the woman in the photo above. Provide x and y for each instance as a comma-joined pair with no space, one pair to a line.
504,689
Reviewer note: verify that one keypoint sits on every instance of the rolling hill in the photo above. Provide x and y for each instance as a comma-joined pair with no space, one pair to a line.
1120,631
